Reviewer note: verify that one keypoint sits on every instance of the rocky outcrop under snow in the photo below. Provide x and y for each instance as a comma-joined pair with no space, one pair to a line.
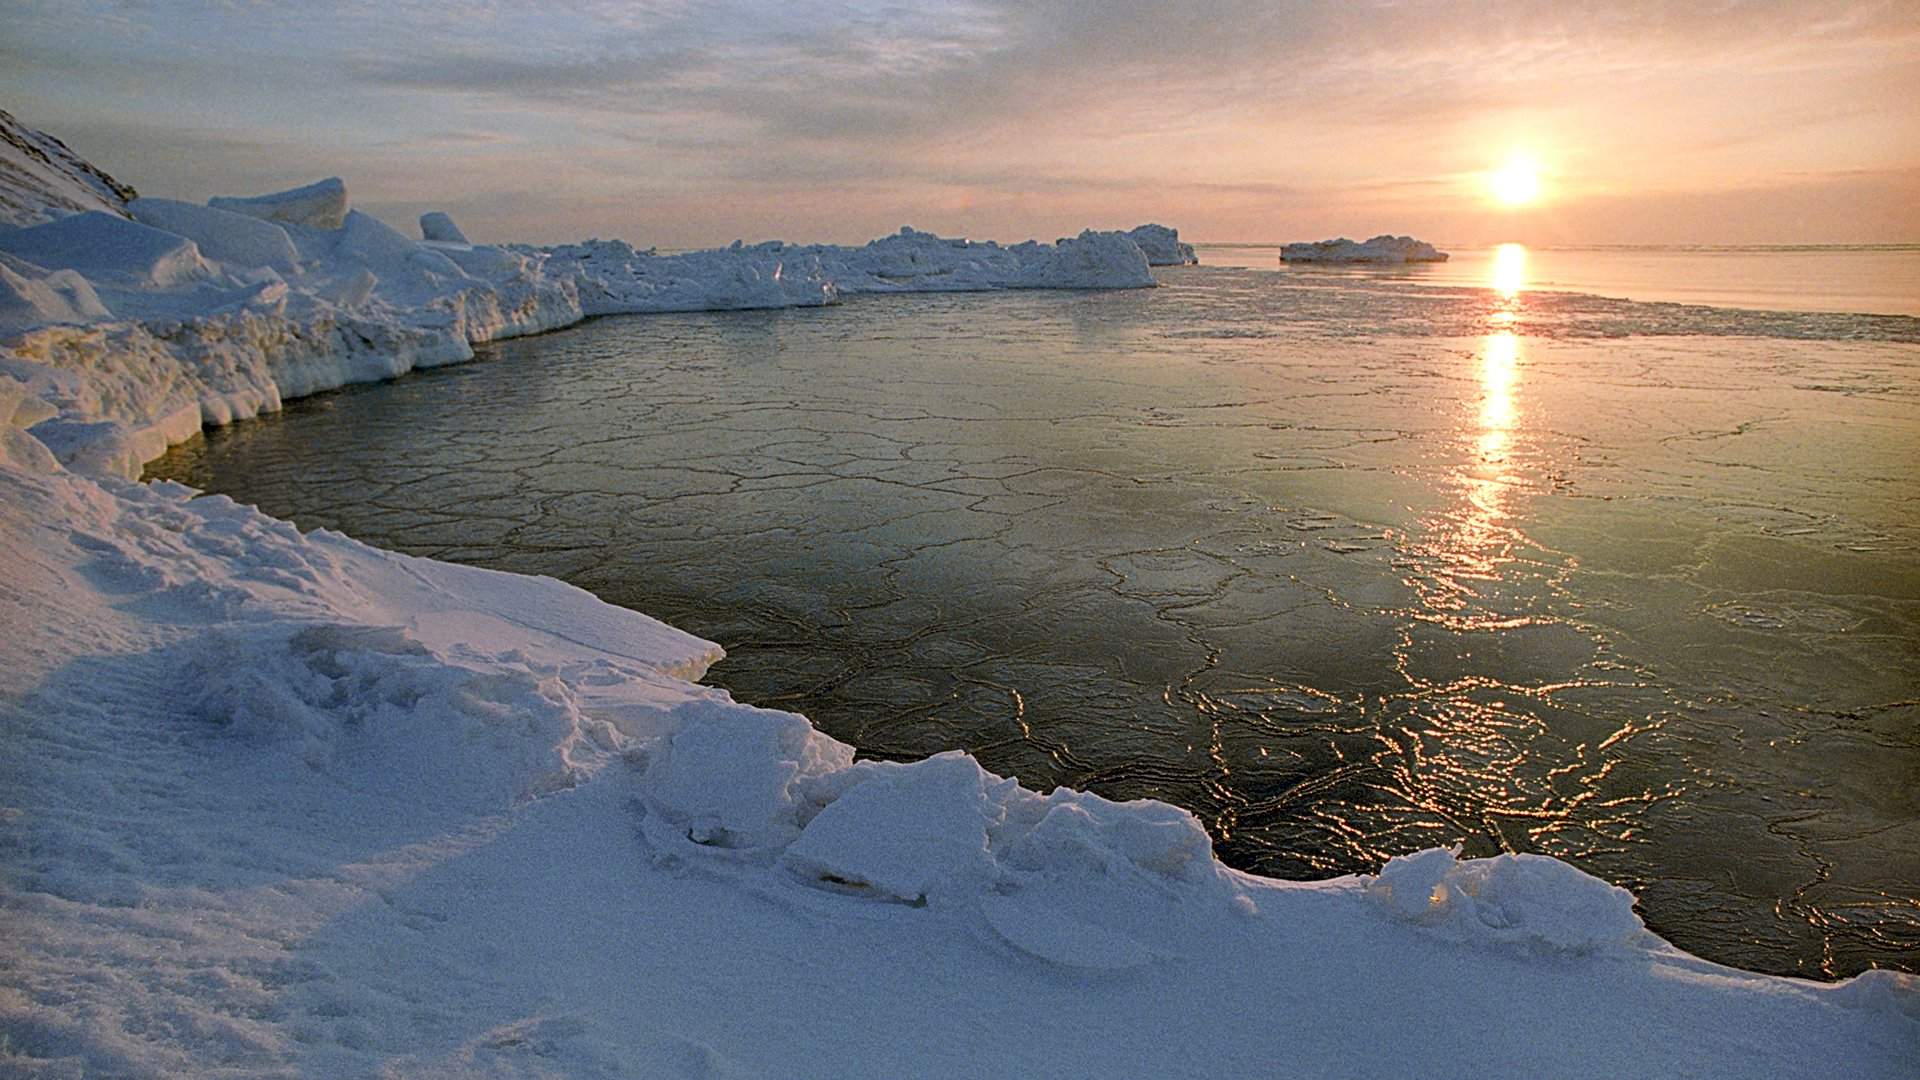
41,179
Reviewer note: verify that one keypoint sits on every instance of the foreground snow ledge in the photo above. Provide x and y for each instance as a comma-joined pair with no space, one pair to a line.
281,804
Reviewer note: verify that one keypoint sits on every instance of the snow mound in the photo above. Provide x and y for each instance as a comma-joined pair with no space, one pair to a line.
109,248
239,240
439,227
736,777
377,703
1162,246
731,782
1380,249
41,179
33,296
1529,900
319,205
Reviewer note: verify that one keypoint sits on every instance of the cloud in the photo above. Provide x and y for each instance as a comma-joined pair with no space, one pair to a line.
1041,105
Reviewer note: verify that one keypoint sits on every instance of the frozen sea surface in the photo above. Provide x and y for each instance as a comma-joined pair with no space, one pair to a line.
1347,565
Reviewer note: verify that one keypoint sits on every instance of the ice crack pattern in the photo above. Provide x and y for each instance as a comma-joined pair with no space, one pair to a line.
1626,584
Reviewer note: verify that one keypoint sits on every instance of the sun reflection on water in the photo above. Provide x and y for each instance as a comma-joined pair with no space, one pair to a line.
1485,538
1509,271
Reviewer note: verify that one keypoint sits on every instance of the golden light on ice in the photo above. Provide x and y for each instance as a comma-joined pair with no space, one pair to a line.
1516,183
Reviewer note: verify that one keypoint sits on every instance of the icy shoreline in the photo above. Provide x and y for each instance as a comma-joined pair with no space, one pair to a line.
142,329
287,804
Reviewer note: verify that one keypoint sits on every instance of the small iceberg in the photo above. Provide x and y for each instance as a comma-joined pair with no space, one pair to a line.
1380,249
1162,246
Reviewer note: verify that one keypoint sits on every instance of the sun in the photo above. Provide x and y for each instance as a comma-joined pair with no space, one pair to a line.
1516,183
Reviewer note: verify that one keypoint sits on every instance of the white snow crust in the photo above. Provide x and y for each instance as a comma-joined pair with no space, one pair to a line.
1380,249
277,804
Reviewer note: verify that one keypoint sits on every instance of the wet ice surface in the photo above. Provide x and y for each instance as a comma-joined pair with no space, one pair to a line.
1348,568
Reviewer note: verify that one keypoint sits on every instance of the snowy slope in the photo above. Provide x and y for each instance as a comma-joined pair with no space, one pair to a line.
40,179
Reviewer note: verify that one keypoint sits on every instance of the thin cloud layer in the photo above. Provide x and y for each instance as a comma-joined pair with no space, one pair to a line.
683,123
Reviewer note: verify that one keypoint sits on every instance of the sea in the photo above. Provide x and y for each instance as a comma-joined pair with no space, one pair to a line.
1611,554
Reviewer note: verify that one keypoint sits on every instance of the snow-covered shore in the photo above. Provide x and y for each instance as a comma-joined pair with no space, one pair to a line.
284,804
142,319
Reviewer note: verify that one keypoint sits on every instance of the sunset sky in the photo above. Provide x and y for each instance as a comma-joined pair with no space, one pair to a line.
694,123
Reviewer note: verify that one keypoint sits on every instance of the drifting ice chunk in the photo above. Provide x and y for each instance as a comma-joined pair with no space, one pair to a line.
1093,260
1380,249
907,830
1162,246
321,205
1530,900
734,776
438,227
239,240
105,247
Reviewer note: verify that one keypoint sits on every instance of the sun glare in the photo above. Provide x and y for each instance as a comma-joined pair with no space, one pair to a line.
1509,271
1516,183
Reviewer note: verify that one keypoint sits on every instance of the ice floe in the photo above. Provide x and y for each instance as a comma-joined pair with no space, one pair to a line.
1162,246
1380,249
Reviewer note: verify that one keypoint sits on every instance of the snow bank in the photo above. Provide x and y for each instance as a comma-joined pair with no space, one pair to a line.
319,205
33,295
237,239
283,804
1162,246
109,248
1527,900
1380,249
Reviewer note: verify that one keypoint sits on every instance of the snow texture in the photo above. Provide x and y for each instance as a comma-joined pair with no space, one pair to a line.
1380,249
239,240
279,804
110,249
